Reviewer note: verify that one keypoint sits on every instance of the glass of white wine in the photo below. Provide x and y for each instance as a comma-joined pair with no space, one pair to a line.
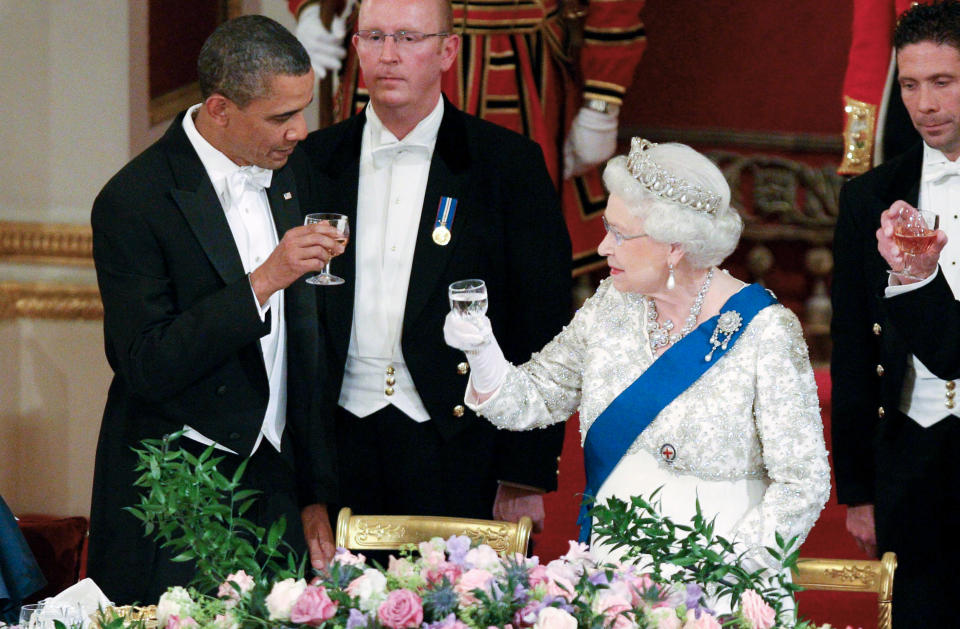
468,298
342,225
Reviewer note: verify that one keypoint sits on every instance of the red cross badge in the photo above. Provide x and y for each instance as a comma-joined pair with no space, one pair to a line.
668,452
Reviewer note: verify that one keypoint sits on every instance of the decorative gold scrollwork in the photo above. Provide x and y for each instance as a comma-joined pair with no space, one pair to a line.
854,574
369,532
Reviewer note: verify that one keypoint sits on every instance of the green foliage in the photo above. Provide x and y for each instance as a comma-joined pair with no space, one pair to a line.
700,555
197,513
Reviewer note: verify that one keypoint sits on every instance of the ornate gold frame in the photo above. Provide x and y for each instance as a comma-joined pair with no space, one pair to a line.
49,244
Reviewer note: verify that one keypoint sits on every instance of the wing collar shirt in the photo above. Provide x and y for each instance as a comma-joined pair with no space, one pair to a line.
926,398
393,182
245,204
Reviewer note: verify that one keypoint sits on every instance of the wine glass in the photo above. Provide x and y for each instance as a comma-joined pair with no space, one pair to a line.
342,225
914,232
468,298
30,615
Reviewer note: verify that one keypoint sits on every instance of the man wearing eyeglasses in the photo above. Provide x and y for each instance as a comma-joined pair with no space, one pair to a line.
435,196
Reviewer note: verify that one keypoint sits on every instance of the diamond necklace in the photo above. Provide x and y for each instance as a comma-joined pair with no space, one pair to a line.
660,336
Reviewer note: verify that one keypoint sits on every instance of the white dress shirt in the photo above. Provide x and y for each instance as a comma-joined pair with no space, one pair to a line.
393,182
926,398
248,213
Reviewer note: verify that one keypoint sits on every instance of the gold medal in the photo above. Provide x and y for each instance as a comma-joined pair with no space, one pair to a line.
441,235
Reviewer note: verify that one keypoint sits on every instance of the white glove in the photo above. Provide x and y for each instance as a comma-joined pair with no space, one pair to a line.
324,47
591,141
474,336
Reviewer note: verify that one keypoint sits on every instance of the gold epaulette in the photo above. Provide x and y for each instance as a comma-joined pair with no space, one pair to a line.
858,137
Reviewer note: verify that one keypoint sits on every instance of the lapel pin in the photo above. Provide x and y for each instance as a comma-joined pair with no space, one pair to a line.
441,227
287,196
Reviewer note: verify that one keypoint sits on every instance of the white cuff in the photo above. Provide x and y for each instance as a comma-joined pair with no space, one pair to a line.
892,290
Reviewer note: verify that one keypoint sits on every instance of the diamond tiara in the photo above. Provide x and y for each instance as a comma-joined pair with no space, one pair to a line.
660,182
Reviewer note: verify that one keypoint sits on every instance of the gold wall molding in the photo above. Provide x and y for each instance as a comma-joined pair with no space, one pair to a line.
47,243
49,301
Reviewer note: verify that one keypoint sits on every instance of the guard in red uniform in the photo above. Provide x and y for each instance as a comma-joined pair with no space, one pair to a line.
876,123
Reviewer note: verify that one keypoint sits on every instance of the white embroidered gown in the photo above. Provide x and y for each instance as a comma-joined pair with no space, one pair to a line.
746,438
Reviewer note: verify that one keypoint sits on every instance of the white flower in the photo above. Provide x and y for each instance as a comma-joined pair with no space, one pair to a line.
282,597
554,618
484,558
174,602
370,588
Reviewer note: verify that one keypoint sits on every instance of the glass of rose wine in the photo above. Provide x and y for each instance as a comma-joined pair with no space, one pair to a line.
914,232
342,225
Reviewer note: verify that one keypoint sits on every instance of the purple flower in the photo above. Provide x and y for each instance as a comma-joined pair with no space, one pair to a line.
694,598
357,619
599,578
449,621
520,594
457,548
559,602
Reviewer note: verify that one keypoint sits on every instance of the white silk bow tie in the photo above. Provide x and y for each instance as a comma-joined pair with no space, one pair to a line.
247,177
385,154
939,171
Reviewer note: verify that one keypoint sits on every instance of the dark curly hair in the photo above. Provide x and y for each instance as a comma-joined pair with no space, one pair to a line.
938,22
242,55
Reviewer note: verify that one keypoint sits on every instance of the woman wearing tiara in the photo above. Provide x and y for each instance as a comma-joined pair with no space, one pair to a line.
684,377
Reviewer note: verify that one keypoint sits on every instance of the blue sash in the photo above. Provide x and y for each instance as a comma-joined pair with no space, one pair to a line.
617,427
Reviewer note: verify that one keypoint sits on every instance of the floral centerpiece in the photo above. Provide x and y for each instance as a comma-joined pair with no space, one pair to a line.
246,578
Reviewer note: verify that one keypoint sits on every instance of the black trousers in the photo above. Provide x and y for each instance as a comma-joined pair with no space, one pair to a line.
392,465
918,517
130,567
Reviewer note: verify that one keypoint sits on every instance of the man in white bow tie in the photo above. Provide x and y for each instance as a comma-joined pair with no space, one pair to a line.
434,196
896,430
199,249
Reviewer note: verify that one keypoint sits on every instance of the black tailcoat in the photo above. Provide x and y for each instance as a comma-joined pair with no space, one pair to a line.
182,335
881,456
508,230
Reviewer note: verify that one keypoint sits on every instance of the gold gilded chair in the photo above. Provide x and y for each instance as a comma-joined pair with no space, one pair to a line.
852,575
390,532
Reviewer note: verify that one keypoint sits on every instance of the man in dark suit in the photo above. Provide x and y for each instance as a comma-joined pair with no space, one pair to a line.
434,196
896,431
199,246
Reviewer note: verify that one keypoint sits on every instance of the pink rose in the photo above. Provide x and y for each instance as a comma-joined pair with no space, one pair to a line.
446,569
537,575
400,568
639,585
470,581
615,609
555,618
705,621
756,611
559,586
243,582
345,558
313,607
402,609
175,622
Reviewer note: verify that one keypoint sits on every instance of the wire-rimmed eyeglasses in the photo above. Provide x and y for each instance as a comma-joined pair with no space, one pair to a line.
400,38
617,236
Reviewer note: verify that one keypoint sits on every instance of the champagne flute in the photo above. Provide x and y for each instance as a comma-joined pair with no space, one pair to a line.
342,225
468,298
914,232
